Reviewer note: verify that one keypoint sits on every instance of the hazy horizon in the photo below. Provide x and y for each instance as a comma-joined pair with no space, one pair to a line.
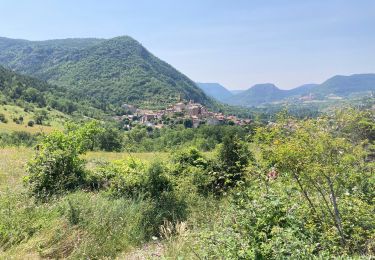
251,42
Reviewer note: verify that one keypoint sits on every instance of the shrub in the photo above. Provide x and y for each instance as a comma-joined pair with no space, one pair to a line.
3,118
18,138
189,157
121,178
132,179
110,139
57,167
41,116
228,170
30,123
256,225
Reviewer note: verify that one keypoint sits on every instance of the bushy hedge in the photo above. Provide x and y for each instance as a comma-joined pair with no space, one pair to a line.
18,138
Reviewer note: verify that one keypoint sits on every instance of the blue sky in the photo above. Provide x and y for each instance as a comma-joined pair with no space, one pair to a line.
237,43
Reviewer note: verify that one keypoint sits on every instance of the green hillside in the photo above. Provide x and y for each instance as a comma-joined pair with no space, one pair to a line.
20,88
346,85
341,86
106,73
256,95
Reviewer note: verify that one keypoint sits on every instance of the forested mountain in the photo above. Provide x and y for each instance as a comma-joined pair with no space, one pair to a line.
346,85
341,86
34,57
215,90
16,87
22,90
258,94
302,90
107,73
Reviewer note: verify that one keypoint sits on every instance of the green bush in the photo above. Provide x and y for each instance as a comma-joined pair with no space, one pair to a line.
228,169
131,179
256,226
3,118
219,174
121,178
189,157
110,139
57,167
30,123
18,138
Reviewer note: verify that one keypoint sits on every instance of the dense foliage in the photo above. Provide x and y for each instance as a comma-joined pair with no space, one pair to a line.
205,137
18,138
106,73
27,92
290,189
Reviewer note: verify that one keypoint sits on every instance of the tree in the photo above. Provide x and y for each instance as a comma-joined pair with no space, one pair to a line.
232,160
110,139
40,116
319,162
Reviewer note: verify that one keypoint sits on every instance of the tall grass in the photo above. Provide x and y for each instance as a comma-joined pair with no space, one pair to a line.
79,225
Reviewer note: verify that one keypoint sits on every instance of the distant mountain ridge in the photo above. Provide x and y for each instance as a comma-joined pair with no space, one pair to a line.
342,86
302,90
215,90
106,73
346,85
258,94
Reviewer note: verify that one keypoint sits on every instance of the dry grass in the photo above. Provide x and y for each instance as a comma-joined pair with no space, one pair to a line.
56,120
13,162
12,166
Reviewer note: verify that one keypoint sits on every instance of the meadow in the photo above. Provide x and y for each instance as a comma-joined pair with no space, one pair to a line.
293,189
54,120
12,193
13,162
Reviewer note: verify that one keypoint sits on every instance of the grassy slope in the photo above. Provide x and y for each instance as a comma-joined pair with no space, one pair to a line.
12,170
12,167
13,162
55,121
57,238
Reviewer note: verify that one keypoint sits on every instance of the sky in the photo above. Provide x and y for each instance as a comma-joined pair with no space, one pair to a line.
236,43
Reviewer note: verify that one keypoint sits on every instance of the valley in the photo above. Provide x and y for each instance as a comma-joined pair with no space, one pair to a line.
131,147
335,88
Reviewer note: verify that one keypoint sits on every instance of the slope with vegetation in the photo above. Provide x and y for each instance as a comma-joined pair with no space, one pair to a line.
106,73
258,94
29,92
215,90
340,86
346,85
291,189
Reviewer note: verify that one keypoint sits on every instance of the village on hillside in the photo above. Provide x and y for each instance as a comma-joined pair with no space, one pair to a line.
187,111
